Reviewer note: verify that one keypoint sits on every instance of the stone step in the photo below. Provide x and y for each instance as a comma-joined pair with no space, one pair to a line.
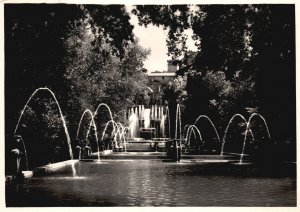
158,155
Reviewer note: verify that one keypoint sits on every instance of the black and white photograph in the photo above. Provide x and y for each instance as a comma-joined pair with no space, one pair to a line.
119,104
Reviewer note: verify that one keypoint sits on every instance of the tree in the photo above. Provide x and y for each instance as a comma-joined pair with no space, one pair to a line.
35,35
97,75
273,44
55,45
248,49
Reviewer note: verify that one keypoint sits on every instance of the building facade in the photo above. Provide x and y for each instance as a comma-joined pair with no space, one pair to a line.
158,80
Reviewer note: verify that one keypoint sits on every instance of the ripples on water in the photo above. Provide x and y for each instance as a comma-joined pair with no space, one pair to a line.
150,183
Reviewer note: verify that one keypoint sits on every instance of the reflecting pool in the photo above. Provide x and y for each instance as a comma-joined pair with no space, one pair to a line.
155,183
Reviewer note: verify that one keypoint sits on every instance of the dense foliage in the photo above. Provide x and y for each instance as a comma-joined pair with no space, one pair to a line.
97,75
245,61
86,54
36,49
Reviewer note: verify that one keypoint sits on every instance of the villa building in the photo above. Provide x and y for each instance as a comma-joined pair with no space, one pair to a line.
157,80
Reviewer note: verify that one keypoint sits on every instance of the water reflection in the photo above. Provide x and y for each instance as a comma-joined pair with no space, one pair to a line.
151,183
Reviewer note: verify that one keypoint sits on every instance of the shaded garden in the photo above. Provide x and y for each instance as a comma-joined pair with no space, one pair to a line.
88,54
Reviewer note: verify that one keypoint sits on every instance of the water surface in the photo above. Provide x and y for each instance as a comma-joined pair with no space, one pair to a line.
152,183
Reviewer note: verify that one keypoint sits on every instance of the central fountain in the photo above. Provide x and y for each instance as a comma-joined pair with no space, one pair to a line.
147,122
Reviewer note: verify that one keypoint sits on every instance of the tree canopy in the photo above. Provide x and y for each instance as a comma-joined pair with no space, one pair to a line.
245,59
38,49
86,54
96,74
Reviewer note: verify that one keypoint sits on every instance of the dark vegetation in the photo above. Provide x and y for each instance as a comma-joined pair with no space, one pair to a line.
245,63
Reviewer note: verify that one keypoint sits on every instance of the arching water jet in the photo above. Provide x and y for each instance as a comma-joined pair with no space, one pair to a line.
227,127
189,132
88,132
247,130
178,122
211,123
61,116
